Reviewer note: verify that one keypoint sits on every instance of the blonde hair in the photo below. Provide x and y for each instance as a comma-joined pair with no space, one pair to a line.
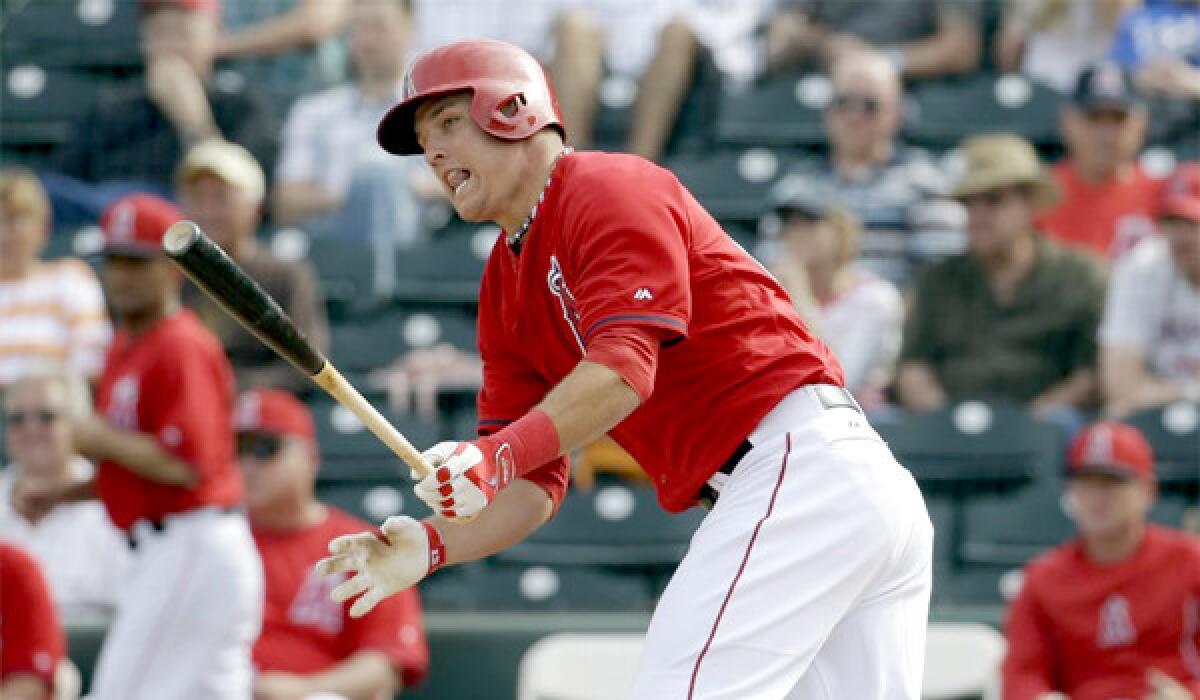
21,192
75,389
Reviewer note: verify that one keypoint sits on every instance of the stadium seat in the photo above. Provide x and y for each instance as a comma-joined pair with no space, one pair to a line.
344,440
1007,530
540,587
732,185
616,525
1174,433
376,500
345,269
80,34
41,104
782,112
946,112
579,667
448,267
962,660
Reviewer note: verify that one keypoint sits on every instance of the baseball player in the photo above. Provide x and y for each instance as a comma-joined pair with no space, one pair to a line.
167,475
31,640
613,303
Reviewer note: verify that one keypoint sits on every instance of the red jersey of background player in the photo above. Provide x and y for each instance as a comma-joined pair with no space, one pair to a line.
620,242
304,632
31,640
174,383
1093,630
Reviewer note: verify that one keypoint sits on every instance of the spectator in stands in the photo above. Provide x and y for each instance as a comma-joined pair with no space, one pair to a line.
858,314
287,47
138,132
1150,335
868,170
332,178
310,644
921,38
221,188
1108,201
1112,613
82,554
31,641
49,311
1015,316
1054,41
1160,43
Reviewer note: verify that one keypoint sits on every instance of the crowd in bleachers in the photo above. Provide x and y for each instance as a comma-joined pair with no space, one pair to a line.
990,209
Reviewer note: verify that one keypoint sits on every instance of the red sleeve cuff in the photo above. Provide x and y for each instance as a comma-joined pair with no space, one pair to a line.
551,478
631,352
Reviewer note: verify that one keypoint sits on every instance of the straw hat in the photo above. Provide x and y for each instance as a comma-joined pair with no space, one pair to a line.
995,161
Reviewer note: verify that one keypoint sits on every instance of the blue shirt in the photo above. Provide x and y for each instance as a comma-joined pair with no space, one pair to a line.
1163,28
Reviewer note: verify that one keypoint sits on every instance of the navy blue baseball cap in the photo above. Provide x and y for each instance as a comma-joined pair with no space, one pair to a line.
1104,85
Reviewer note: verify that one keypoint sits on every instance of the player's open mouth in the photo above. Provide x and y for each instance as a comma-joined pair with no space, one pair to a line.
457,178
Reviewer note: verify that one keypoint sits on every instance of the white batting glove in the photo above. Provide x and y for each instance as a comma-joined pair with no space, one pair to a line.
466,477
404,552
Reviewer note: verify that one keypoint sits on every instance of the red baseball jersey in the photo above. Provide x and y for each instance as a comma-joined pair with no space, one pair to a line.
618,241
1106,218
305,632
175,384
31,640
1092,630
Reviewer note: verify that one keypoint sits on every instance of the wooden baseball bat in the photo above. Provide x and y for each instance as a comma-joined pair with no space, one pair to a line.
221,278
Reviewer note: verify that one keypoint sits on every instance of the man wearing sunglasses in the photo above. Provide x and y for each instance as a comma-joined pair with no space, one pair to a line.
166,472
310,644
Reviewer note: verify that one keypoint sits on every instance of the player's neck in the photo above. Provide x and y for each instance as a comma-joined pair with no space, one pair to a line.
138,323
288,517
535,168
1095,174
1114,548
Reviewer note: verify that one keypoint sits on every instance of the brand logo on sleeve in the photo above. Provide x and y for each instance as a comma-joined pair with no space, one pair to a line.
570,310
643,294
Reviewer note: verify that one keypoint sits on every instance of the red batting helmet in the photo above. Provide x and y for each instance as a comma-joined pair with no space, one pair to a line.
500,76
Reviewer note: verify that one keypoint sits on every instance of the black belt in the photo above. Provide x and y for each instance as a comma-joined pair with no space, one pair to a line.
829,396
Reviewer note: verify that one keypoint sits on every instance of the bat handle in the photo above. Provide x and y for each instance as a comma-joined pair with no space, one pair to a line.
344,392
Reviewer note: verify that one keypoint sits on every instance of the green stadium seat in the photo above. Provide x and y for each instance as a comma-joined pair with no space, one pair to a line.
615,524
448,267
785,111
373,500
345,269
1174,433
946,112
80,34
39,105
343,439
1008,530
541,587
732,185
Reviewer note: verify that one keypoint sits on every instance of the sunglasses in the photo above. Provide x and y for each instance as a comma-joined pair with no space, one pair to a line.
994,198
18,418
863,103
258,445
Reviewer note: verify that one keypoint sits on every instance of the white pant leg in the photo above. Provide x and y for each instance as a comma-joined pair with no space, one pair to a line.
189,615
790,552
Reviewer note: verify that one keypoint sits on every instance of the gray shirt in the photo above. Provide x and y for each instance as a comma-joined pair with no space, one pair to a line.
886,22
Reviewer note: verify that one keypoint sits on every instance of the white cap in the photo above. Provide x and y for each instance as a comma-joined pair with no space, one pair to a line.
228,161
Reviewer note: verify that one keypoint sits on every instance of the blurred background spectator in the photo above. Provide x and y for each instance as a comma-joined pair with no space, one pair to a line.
1160,42
84,557
332,178
284,47
1108,201
309,644
221,187
1015,316
1150,335
49,311
921,38
31,641
859,315
1052,41
1109,614
137,131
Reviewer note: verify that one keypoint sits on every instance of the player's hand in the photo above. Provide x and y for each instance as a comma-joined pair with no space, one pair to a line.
276,685
34,500
466,477
1164,687
404,552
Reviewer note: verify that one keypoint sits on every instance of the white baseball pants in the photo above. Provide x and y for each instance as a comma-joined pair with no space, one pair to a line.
809,580
188,617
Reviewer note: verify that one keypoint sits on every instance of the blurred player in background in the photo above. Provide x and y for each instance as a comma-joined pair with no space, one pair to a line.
31,641
310,644
1113,613
191,609
613,303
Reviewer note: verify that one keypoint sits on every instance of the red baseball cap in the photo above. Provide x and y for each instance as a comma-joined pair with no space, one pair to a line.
1181,197
1112,448
135,224
212,7
273,412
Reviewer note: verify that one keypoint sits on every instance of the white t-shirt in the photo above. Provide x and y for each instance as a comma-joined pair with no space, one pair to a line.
1152,308
84,556
863,326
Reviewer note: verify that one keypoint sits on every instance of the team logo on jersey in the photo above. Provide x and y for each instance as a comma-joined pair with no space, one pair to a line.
1116,624
122,405
570,310
312,606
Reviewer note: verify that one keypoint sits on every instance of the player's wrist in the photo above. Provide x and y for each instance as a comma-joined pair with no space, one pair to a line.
437,547
532,441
